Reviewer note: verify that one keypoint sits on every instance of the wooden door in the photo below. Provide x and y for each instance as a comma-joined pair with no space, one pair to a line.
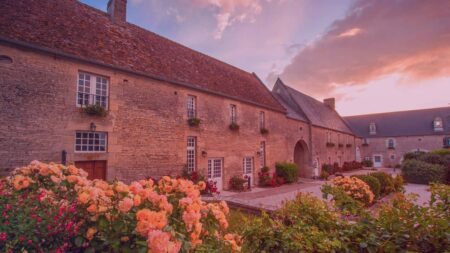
95,169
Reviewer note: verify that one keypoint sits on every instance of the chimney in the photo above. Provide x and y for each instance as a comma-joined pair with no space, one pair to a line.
117,10
330,102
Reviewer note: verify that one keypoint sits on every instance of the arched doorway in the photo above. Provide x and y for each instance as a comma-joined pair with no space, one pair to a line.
301,158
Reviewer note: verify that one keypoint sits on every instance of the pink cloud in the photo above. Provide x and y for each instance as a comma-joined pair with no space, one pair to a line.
375,39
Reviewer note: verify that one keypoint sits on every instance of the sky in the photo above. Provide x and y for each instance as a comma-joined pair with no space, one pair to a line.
371,55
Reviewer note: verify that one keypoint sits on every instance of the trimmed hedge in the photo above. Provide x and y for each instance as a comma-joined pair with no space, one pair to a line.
386,182
367,163
374,184
288,171
420,172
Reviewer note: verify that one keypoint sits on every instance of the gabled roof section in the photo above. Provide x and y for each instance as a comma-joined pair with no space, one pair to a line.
303,107
403,123
75,29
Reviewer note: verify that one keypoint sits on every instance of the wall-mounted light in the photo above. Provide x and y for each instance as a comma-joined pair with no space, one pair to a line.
204,153
92,127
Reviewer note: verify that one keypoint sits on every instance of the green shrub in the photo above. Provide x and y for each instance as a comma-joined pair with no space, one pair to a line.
193,122
237,183
419,172
386,182
443,151
413,155
327,168
346,204
399,183
288,171
265,169
373,183
324,175
367,163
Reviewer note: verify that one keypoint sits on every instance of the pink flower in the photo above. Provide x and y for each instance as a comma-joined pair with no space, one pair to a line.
159,242
125,205
3,236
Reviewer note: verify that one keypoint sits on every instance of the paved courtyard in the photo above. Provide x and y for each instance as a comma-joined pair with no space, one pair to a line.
272,198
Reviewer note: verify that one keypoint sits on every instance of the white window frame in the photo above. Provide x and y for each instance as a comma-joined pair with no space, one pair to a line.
191,107
92,89
262,120
372,128
438,124
389,141
247,165
92,137
262,148
233,114
191,153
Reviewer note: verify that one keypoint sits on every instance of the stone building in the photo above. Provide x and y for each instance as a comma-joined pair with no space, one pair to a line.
388,136
167,107
331,140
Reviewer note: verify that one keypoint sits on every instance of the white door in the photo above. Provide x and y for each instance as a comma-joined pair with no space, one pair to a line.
358,154
377,161
215,170
316,166
248,168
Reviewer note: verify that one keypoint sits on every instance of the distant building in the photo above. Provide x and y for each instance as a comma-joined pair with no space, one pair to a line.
388,136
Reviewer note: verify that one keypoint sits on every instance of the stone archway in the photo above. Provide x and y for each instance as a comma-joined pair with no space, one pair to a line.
301,158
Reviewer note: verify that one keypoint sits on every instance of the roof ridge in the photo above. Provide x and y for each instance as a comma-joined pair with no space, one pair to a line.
395,112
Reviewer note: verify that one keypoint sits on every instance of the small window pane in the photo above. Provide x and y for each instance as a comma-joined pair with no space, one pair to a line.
90,141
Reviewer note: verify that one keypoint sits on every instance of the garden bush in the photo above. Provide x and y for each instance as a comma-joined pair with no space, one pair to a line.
324,175
55,208
399,183
443,151
327,168
237,183
386,182
419,172
367,163
413,155
265,179
355,188
373,183
287,171
354,165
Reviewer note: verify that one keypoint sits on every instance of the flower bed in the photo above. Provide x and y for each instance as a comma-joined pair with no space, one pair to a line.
55,208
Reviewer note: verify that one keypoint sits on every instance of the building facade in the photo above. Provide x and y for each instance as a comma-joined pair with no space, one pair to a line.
388,136
159,107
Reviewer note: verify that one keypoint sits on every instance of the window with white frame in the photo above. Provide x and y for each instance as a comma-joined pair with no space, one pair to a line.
191,153
329,137
438,124
247,165
262,120
92,90
391,143
372,128
191,107
233,114
86,141
262,151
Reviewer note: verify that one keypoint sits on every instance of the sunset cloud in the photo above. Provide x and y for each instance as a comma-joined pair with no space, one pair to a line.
375,39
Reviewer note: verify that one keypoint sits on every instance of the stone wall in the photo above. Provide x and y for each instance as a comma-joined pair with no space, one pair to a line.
404,144
146,124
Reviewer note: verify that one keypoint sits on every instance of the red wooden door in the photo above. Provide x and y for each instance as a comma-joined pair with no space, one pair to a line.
95,169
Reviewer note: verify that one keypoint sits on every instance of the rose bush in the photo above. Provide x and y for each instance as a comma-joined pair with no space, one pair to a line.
355,188
55,208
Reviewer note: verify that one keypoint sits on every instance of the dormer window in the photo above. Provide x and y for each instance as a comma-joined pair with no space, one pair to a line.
372,129
438,125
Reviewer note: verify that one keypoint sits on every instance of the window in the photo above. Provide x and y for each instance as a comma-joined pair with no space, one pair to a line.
262,120
447,142
262,149
372,129
233,115
191,107
247,165
329,137
392,157
92,90
438,125
90,141
191,153
5,59
391,143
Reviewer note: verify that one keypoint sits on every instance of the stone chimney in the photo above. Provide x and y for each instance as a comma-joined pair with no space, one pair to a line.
117,10
330,102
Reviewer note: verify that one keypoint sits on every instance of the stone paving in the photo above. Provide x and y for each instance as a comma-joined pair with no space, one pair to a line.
272,198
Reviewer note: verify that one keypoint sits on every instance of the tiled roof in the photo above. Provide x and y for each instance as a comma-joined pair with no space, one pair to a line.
404,123
303,107
73,28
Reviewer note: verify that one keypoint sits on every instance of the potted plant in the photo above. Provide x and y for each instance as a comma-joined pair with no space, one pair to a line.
330,144
193,122
95,110
234,126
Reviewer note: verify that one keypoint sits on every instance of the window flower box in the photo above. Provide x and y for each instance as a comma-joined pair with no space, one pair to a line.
391,147
348,145
94,110
264,131
365,144
234,127
330,144
194,122
340,145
